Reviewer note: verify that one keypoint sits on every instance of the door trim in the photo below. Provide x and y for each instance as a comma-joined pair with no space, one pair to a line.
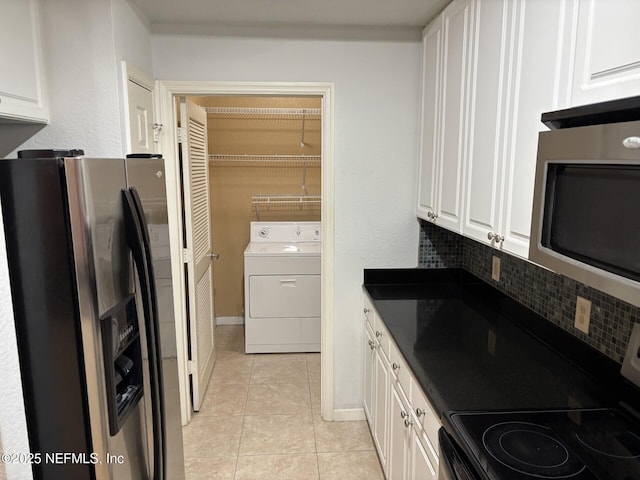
165,93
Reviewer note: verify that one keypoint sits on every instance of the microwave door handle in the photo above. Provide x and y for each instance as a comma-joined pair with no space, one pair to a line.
135,241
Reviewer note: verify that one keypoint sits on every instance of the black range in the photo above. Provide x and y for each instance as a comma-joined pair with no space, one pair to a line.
485,360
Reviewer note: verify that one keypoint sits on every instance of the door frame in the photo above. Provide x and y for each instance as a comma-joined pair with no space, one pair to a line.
165,111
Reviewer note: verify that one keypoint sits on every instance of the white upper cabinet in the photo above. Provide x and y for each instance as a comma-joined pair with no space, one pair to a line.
490,69
541,48
487,118
22,95
607,57
444,101
429,145
519,50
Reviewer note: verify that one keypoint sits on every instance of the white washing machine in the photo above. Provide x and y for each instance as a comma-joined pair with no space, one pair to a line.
282,287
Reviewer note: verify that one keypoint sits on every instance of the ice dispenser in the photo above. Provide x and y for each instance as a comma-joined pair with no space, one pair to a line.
122,361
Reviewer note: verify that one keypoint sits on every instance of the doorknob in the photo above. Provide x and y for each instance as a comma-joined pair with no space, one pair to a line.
214,256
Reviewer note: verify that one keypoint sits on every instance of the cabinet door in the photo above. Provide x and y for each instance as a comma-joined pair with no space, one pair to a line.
381,405
456,30
487,118
607,58
429,140
398,437
420,467
369,359
542,44
21,83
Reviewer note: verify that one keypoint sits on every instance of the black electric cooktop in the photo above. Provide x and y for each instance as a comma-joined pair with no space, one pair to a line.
581,444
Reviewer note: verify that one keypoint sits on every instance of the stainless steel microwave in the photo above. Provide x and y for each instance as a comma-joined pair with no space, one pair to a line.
586,209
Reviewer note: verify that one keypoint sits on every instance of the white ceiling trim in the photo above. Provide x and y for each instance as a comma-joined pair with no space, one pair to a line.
315,32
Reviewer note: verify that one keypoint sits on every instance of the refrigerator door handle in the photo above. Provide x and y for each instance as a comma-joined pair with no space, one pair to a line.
146,243
138,241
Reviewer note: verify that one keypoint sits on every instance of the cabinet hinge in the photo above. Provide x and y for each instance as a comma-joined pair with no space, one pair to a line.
182,134
187,256
191,367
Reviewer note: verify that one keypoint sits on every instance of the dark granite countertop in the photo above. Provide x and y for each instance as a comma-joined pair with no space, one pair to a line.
473,348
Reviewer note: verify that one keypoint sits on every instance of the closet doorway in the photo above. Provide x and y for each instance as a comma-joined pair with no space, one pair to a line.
242,185
264,165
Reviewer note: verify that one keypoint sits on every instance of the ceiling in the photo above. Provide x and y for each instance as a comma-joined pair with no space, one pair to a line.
299,15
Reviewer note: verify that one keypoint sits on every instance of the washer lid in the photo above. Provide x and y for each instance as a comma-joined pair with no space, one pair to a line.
289,249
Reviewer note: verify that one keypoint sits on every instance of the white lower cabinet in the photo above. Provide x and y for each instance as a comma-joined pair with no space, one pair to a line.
376,400
420,466
381,406
399,436
403,424
370,355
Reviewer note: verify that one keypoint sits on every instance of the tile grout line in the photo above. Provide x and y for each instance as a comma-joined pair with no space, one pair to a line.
244,416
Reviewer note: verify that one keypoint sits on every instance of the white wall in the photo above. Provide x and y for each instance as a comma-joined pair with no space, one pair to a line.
84,42
376,125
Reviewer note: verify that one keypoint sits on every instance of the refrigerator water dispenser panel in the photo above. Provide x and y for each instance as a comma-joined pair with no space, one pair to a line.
122,361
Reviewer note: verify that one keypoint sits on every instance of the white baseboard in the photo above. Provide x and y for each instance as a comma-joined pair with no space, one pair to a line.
229,320
348,414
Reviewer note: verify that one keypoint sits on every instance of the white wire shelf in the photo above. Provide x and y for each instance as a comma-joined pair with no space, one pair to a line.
263,204
261,113
264,160
285,200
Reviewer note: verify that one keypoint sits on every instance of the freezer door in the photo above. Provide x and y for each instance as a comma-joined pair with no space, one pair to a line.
104,279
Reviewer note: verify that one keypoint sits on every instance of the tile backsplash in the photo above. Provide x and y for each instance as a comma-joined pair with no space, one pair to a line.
549,295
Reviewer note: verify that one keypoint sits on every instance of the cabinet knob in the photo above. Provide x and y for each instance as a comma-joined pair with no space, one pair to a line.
395,366
378,334
372,345
495,237
366,310
419,412
407,422
403,414
429,214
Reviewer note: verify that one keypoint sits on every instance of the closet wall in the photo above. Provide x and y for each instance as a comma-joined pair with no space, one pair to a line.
256,151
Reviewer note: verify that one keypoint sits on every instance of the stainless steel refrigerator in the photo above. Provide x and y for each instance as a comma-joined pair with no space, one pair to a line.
89,265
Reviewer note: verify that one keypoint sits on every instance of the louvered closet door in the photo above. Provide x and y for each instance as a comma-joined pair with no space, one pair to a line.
193,120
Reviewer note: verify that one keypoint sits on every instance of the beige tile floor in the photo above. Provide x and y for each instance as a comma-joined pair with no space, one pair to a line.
260,419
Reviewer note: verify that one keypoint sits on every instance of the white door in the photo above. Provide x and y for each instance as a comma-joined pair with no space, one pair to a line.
198,241
140,118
